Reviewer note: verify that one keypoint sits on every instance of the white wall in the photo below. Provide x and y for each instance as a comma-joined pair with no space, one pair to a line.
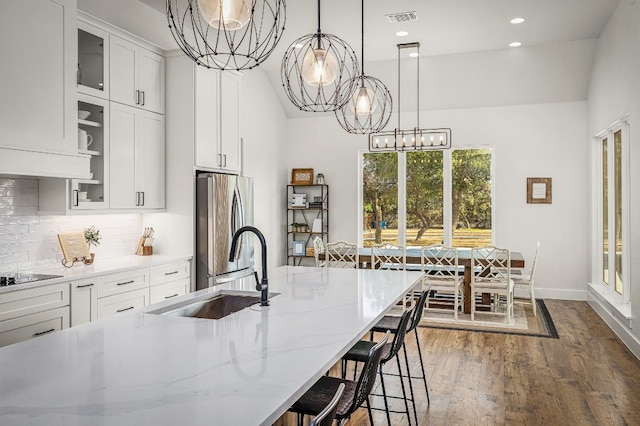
543,140
263,130
613,92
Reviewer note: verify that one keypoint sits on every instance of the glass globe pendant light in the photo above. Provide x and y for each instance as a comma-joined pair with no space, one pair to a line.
369,109
315,70
227,34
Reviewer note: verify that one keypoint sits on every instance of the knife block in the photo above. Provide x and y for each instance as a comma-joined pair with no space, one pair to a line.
143,250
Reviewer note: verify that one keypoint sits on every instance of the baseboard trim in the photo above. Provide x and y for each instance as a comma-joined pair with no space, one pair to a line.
611,318
554,293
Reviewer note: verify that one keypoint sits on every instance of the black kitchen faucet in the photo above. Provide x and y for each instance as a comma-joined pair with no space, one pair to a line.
262,286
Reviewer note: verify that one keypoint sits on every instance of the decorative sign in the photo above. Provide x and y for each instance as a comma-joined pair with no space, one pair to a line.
302,177
539,190
74,247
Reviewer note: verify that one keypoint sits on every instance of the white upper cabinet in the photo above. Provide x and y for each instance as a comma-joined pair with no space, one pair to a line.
230,121
217,120
136,75
207,117
38,86
93,60
137,159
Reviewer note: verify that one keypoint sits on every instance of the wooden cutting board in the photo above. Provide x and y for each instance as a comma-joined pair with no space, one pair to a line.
74,246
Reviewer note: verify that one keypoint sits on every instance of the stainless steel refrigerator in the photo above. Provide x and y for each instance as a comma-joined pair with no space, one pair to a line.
224,204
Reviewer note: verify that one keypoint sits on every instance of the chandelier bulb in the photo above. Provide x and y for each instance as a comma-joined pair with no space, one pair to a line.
227,15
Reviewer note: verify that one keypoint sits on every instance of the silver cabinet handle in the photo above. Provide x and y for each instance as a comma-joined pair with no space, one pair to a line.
142,198
225,160
169,297
171,273
220,160
75,198
125,309
44,332
137,198
84,285
137,97
126,282
142,103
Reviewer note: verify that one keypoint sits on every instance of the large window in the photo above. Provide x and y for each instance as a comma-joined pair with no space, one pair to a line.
612,229
429,197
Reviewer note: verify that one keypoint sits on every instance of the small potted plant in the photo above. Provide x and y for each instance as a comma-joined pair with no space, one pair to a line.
93,237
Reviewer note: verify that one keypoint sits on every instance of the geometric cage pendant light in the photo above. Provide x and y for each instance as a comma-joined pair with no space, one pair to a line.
227,34
369,108
415,139
317,71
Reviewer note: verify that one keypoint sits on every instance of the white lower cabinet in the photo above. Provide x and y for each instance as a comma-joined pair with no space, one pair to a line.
123,302
34,325
34,312
84,301
162,292
169,281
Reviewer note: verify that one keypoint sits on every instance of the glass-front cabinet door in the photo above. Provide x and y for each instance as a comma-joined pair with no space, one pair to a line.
93,60
93,140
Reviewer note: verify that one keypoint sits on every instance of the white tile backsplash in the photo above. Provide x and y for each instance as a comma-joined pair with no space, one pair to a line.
29,241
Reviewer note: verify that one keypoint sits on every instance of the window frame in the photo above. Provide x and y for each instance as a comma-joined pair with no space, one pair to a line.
609,289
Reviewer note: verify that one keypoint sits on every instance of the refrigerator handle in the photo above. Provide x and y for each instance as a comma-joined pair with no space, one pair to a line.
236,222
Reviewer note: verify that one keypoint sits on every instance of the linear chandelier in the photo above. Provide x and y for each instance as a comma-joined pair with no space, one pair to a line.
227,34
415,139
369,108
317,71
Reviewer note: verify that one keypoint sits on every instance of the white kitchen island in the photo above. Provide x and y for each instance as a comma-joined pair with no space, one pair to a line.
245,369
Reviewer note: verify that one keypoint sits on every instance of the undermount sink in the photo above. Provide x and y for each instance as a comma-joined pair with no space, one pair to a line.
212,307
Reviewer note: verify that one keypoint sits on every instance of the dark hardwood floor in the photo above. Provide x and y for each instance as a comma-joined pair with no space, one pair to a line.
586,377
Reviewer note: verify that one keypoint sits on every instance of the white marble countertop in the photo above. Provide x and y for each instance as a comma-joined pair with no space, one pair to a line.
244,369
98,267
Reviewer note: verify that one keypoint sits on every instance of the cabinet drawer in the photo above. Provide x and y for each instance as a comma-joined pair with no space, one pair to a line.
169,273
34,325
123,282
162,292
124,302
33,300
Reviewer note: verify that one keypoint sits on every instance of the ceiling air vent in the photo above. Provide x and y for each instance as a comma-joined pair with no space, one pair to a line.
395,18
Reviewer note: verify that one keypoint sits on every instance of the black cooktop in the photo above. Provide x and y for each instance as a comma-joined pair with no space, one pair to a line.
15,279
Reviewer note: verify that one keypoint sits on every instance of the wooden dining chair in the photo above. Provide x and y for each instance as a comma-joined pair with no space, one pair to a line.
526,280
318,248
388,256
441,273
494,264
341,254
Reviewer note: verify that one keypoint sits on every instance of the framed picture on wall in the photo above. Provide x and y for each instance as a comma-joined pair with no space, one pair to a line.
539,190
298,248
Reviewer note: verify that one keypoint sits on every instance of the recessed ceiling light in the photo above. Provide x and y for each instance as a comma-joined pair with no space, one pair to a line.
515,44
414,54
517,20
402,33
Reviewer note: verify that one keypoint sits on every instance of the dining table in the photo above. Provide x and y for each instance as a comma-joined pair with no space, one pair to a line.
413,261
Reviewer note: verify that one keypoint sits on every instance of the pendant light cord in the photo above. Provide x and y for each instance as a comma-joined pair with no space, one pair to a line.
319,29
418,94
362,40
